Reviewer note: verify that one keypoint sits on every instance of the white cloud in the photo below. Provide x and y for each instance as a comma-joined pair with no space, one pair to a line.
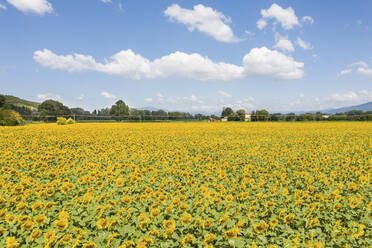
265,62
204,19
120,5
360,67
305,45
344,72
308,18
358,64
258,62
108,95
350,97
365,71
286,17
261,24
80,97
2,6
46,96
283,43
224,93
106,1
39,7
148,100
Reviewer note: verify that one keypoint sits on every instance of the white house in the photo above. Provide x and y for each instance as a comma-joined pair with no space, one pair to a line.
247,117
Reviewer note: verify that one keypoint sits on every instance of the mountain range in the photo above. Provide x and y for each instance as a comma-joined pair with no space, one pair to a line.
364,107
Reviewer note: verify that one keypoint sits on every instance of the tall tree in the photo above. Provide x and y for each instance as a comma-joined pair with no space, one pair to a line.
227,112
119,110
262,115
241,114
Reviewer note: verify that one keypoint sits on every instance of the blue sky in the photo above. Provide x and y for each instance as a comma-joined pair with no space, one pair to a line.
188,55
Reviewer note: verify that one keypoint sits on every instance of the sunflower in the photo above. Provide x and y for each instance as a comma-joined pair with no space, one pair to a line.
232,233
89,244
9,218
61,224
21,206
187,239
186,218
40,219
289,218
11,242
66,239
103,223
273,223
229,198
23,218
259,228
207,224
360,232
28,225
154,212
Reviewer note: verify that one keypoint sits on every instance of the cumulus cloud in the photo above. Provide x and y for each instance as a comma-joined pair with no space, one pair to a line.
2,6
39,7
286,17
265,62
360,67
308,18
258,62
46,96
305,45
283,43
107,95
203,19
224,93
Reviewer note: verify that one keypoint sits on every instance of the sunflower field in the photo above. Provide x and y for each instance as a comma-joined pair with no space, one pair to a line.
186,185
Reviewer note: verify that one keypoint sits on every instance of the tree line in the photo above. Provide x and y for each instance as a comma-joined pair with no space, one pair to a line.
120,111
49,110
264,115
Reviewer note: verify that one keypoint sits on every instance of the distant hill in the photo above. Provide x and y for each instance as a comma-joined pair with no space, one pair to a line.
21,102
365,107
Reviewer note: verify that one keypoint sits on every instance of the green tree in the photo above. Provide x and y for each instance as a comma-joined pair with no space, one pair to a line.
227,112
10,118
52,108
241,114
2,100
119,110
262,115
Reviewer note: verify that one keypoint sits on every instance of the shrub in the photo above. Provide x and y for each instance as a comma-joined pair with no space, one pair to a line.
61,121
10,118
70,121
